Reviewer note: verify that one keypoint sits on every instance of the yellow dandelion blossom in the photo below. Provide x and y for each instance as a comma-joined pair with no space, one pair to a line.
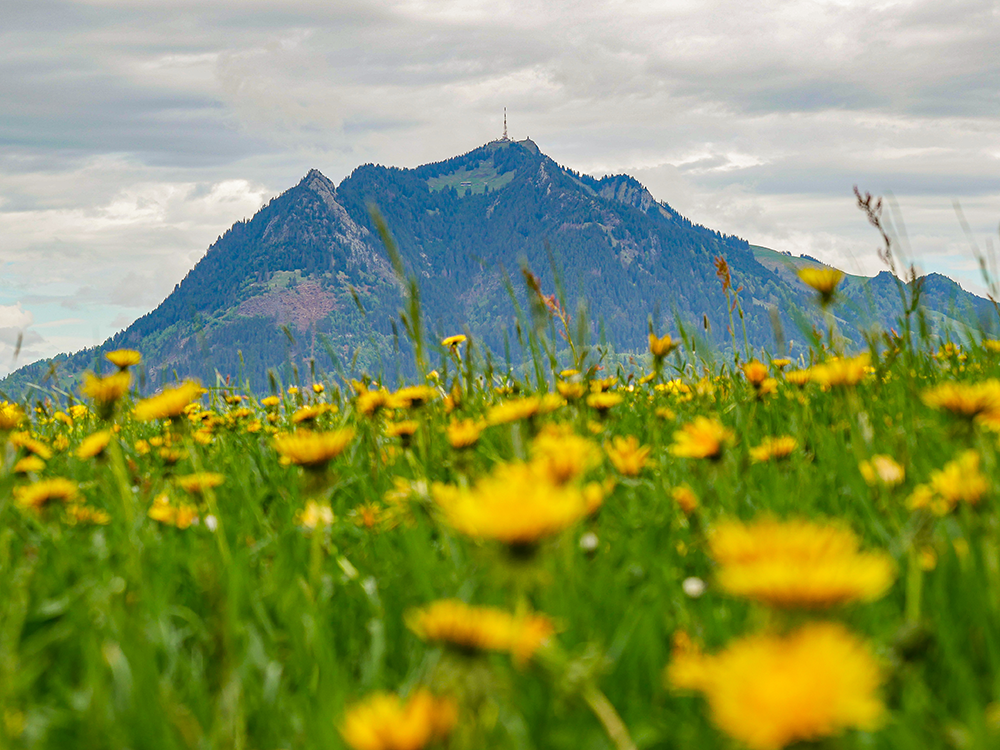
627,455
702,438
823,280
453,341
797,563
517,504
959,481
384,722
78,411
755,372
571,390
882,470
969,400
270,402
403,429
63,418
84,514
840,371
470,628
169,403
597,385
770,691
311,412
602,401
661,346
94,445
464,433
798,377
105,392
312,449
370,402
40,493
685,498
318,388
123,358
513,410
562,455
11,416
29,465
414,395
781,363
774,448
181,515
199,482
30,445
315,515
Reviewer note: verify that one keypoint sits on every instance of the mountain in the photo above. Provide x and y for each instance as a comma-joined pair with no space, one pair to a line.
307,279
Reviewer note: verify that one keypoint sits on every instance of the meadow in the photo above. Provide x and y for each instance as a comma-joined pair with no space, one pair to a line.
749,552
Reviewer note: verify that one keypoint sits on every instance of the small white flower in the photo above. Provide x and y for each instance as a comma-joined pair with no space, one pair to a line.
693,587
211,523
589,542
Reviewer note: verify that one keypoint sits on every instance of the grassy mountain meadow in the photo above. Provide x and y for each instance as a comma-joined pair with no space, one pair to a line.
307,283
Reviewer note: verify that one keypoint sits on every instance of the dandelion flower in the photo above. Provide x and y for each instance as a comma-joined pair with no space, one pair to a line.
969,400
839,371
28,465
453,341
199,482
685,498
774,448
959,481
517,504
472,628
602,401
312,449
77,514
627,455
702,438
40,493
755,372
31,445
661,346
169,403
562,455
314,515
123,358
384,722
11,416
823,280
770,691
94,445
513,410
883,470
105,392
464,433
797,564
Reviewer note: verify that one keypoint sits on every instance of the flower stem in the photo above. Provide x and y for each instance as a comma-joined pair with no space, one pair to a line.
609,718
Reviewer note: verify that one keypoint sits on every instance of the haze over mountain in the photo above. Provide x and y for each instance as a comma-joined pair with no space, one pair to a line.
307,278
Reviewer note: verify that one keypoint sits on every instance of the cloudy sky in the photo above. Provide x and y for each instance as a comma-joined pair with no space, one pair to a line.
134,132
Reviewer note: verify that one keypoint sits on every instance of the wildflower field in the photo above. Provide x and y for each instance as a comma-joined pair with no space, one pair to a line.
746,554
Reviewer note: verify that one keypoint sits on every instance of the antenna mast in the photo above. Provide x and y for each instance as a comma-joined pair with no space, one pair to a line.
505,138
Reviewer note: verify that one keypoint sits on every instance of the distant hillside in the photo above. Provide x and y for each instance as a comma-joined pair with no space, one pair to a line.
307,279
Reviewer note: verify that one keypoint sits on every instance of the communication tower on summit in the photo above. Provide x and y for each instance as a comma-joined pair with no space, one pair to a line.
505,138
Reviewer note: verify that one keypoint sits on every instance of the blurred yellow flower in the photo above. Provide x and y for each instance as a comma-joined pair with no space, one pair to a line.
513,410
571,390
702,438
882,469
797,563
199,482
480,628
270,402
312,449
93,445
414,395
959,481
969,400
838,371
770,691
627,455
798,377
369,402
661,346
30,445
106,391
685,498
169,403
823,280
181,515
311,412
464,433
11,416
563,455
755,372
382,721
774,448
314,515
39,493
29,465
403,429
517,504
123,358
454,341
604,400
76,514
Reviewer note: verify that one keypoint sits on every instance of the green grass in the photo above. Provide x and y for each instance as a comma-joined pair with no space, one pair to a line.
258,634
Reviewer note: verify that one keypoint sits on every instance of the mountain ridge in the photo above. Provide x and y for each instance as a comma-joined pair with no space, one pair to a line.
306,280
